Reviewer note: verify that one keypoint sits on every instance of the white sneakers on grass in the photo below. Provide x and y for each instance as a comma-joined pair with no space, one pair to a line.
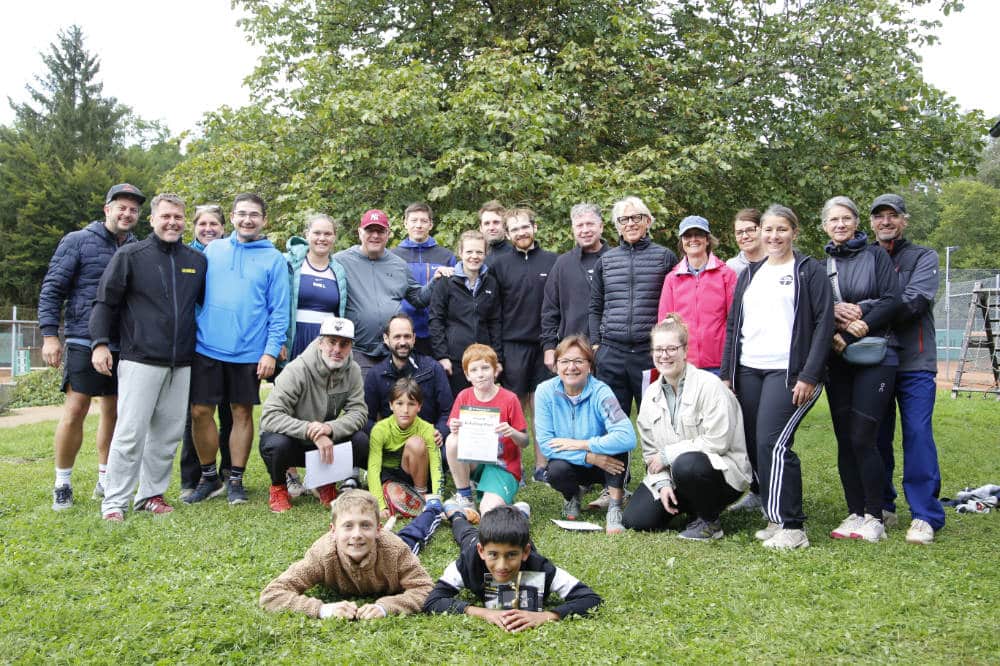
920,532
871,530
767,532
785,539
848,527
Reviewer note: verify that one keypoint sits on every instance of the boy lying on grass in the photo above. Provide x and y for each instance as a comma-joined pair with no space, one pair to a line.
496,563
356,558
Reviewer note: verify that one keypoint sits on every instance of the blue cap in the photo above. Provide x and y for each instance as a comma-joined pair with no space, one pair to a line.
693,222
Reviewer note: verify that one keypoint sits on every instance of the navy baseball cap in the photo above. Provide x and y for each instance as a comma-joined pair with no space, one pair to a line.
124,189
893,201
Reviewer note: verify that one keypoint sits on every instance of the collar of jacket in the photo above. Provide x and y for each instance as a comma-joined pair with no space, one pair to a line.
640,244
430,242
849,248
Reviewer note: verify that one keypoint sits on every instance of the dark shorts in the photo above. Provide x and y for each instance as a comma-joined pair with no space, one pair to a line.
397,474
523,368
79,373
218,382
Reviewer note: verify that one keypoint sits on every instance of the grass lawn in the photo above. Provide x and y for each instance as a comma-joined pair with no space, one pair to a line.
184,587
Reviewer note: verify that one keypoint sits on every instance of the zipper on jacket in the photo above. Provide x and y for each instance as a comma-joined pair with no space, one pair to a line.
173,284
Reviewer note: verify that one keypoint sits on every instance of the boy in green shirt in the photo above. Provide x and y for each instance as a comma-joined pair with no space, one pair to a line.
402,449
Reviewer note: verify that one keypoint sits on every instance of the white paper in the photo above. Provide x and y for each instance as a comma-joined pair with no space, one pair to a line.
319,473
577,525
478,441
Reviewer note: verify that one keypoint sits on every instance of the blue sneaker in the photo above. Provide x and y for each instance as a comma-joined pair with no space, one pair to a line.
235,492
206,489
433,502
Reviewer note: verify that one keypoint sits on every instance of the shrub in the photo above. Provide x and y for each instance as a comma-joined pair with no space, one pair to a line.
37,389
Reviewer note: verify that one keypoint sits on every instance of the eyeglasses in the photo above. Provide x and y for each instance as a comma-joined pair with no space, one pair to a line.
636,219
886,217
843,219
749,231
575,362
669,350
253,215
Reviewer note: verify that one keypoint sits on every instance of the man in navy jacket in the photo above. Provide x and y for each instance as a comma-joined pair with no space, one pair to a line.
71,280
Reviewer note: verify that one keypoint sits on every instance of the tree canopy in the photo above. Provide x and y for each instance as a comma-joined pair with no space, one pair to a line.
697,106
66,147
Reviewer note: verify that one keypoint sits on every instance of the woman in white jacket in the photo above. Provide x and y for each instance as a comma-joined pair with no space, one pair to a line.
693,445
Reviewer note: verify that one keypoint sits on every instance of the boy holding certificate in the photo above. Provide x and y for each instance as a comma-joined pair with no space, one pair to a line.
488,431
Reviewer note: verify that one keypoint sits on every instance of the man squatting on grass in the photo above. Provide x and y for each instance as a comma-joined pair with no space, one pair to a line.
148,292
356,558
316,400
502,547
71,280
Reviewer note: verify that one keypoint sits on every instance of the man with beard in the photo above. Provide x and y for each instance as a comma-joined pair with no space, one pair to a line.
521,275
317,400
403,361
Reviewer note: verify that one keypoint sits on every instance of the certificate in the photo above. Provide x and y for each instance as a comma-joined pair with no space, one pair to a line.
478,441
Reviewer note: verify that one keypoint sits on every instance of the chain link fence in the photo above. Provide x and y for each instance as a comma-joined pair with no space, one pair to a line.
951,315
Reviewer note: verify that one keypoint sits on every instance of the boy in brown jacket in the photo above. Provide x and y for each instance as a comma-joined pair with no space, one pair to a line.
356,558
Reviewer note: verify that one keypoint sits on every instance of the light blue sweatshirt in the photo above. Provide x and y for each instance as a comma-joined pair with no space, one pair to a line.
245,314
596,417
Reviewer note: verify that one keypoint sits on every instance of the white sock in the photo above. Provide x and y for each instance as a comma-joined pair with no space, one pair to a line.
63,476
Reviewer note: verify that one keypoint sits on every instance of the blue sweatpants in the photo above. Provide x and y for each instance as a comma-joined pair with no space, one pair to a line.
915,393
420,530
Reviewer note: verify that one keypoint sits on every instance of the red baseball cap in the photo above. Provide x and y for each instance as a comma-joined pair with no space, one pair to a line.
374,218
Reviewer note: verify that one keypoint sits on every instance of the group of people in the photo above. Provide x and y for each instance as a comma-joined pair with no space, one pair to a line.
384,348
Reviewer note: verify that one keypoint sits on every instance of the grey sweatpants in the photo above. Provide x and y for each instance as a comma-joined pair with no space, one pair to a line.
152,403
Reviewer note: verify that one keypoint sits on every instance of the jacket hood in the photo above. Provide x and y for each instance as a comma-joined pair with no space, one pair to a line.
317,369
240,250
460,272
852,246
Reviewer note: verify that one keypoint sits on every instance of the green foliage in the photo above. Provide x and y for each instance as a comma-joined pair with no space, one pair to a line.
183,588
970,218
58,159
37,389
698,106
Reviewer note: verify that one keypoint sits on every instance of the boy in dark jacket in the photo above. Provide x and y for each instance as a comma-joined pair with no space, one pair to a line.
493,563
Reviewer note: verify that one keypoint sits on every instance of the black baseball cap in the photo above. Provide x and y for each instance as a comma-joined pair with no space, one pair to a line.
893,201
125,189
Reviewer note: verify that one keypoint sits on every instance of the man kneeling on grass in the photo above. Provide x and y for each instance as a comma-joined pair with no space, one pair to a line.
356,558
499,566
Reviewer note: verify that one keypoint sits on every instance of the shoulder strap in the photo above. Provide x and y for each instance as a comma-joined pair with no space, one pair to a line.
831,271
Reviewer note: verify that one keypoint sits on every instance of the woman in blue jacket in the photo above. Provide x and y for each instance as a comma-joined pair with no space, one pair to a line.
583,431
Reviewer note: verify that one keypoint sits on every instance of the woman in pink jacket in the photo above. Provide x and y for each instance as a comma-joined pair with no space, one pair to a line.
700,288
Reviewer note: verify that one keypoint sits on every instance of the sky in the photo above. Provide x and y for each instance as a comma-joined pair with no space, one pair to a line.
174,61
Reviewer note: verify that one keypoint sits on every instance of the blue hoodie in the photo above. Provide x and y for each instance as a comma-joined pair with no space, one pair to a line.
424,259
245,314
596,417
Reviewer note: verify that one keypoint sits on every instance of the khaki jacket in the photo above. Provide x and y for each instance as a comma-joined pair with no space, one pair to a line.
710,422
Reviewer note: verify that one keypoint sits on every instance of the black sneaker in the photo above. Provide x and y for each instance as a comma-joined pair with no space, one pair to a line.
62,498
235,491
207,488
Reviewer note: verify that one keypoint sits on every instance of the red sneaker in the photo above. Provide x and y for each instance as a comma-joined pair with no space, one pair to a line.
114,517
327,494
156,505
279,500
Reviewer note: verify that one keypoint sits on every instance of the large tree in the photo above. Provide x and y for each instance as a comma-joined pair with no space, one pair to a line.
698,106
67,145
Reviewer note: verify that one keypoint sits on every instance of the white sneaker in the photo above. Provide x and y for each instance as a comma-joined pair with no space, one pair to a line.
601,503
767,532
920,532
294,485
889,520
748,502
871,530
787,540
524,508
848,527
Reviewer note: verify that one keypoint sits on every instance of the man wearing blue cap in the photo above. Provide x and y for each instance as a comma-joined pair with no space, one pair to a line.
71,280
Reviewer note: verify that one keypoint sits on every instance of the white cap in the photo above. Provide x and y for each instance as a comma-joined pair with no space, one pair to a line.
342,328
